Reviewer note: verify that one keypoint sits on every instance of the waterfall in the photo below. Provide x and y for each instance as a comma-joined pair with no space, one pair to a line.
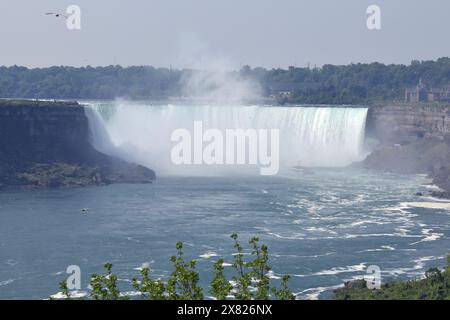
309,136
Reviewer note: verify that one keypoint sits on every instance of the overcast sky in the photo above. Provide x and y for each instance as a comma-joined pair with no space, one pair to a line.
187,33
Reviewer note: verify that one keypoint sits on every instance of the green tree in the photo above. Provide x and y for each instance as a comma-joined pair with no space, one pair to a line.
243,279
283,293
104,287
149,288
220,286
183,281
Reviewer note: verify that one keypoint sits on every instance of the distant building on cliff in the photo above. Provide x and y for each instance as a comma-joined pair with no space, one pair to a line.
422,93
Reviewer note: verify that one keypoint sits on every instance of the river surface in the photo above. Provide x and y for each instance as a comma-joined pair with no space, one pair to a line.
323,227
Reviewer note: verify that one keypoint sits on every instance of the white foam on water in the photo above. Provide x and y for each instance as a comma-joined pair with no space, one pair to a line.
209,254
11,262
429,235
72,295
442,205
338,270
314,293
6,282
430,186
382,248
420,261
416,270
144,266
130,294
335,270
272,275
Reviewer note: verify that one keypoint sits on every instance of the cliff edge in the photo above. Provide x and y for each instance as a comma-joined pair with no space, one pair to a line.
411,138
46,144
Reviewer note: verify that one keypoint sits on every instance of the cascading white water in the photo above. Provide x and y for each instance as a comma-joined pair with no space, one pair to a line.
309,136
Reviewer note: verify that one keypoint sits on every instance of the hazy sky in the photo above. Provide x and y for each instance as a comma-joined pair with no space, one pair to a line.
186,33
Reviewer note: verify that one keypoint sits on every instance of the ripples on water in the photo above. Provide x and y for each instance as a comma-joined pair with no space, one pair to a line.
322,228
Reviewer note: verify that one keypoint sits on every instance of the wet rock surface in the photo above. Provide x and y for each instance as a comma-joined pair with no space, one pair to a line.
46,145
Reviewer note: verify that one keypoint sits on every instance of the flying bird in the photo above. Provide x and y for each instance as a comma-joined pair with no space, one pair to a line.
57,15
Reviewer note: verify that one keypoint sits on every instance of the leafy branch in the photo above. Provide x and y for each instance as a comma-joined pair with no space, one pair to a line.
250,281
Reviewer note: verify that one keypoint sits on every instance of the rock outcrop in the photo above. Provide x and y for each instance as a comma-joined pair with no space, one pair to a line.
405,123
46,144
412,138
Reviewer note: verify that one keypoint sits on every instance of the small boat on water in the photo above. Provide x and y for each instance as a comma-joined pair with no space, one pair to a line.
302,169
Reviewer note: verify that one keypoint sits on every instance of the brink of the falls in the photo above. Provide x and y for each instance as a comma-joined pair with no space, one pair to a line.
309,136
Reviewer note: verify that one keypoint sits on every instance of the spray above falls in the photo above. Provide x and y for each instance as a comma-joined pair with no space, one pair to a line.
309,136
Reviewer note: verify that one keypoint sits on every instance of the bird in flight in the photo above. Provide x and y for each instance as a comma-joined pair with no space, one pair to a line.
57,15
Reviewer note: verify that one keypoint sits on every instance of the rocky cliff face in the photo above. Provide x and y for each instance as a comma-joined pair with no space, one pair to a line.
412,139
45,144
402,124
41,133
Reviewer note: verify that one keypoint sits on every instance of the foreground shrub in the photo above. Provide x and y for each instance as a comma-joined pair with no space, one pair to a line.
250,280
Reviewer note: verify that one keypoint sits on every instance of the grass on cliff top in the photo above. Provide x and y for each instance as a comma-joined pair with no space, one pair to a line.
435,286
36,103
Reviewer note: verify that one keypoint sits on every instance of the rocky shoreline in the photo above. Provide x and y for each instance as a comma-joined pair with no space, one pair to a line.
411,139
46,145
428,156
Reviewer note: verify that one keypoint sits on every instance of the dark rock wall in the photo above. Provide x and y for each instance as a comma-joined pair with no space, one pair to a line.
401,124
48,146
42,134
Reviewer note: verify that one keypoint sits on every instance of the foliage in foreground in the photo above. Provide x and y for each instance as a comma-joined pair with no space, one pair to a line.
435,286
249,282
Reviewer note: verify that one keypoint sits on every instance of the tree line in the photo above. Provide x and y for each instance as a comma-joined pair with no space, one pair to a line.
329,84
